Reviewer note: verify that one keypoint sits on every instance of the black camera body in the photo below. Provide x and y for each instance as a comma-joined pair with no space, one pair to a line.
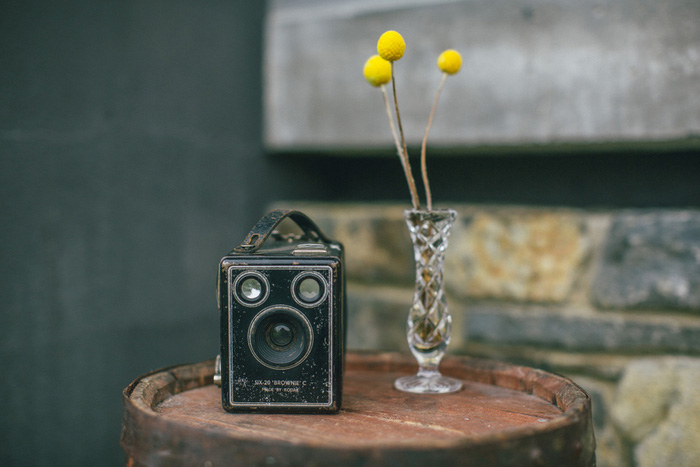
282,303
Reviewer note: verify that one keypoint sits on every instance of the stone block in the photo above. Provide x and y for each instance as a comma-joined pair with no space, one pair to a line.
516,254
657,408
538,326
542,71
497,253
377,318
651,260
600,364
377,244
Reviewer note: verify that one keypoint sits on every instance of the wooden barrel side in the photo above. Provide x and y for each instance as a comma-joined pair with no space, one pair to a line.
145,436
148,438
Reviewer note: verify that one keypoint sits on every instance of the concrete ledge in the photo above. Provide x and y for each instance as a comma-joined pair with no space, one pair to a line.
535,71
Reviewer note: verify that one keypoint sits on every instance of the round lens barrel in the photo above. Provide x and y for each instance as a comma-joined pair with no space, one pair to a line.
280,337
251,288
309,289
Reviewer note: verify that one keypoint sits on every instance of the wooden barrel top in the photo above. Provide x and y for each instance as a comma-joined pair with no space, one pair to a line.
505,415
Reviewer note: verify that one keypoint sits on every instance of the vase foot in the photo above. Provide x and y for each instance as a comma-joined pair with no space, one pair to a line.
428,384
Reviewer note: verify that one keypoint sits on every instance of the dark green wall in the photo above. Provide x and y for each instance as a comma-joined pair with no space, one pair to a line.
131,160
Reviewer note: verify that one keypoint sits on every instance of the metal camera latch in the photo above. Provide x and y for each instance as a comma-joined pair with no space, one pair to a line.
217,371
310,249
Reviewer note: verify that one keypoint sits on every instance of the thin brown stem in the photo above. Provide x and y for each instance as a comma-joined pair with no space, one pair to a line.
407,168
423,165
399,149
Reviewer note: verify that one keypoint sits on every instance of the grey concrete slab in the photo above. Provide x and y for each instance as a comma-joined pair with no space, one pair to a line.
535,71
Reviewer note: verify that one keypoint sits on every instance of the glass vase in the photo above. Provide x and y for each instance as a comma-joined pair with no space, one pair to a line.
429,322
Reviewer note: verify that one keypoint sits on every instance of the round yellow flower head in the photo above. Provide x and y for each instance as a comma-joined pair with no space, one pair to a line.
391,46
377,71
450,61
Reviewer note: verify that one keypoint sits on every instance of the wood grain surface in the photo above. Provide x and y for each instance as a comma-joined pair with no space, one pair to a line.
505,415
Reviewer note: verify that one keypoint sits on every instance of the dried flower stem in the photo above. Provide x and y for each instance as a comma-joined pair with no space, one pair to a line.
423,165
405,162
399,149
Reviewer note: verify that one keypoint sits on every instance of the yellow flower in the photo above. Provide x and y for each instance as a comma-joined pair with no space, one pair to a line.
391,46
377,71
450,61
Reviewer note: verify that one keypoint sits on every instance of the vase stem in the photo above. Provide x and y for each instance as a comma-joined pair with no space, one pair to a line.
428,372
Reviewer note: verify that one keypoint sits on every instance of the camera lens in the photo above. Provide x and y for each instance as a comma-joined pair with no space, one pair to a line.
280,337
251,288
309,289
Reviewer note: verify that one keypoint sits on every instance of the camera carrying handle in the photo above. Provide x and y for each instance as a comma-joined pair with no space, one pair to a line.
265,226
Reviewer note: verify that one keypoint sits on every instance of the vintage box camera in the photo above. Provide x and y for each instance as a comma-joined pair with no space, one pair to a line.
282,303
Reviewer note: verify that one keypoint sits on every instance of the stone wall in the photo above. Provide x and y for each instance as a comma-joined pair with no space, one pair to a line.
608,298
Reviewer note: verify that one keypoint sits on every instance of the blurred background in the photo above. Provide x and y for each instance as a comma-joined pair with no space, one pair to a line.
135,151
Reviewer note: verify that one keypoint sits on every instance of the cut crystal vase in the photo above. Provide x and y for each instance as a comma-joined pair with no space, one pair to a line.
429,322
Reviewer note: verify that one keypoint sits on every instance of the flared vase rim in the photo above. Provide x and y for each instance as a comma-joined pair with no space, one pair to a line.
432,211
424,214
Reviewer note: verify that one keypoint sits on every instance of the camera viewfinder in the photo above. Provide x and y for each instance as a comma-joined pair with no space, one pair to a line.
309,289
251,288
